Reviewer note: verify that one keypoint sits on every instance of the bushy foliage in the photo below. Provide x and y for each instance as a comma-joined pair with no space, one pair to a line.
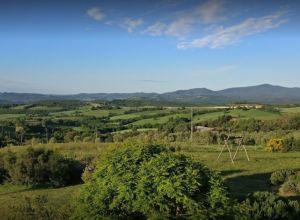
269,206
279,177
275,145
291,187
41,167
146,181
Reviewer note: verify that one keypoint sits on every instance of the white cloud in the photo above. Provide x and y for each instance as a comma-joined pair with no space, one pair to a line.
130,24
181,26
230,35
95,13
156,29
209,12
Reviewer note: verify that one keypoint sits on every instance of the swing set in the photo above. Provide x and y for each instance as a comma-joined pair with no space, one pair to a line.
227,144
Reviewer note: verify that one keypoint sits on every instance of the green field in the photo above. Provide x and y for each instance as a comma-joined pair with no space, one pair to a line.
293,110
138,114
10,116
160,120
241,178
241,114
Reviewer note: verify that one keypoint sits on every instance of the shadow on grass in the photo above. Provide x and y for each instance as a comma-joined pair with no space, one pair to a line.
226,173
33,188
240,186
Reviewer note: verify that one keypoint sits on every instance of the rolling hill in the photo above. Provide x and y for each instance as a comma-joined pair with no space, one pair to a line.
265,93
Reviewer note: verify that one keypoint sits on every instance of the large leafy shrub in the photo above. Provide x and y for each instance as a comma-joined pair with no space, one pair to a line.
41,167
147,181
288,182
291,187
280,176
269,206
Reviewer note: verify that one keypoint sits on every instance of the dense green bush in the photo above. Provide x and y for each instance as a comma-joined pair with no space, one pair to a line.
146,181
279,177
268,206
291,187
41,167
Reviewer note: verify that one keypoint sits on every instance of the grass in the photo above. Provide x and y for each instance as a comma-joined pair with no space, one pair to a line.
244,177
150,113
254,113
4,117
238,113
125,117
208,116
64,113
41,107
11,195
160,120
241,178
140,129
294,110
96,113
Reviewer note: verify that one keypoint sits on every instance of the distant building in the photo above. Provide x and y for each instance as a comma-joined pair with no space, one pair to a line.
203,129
247,106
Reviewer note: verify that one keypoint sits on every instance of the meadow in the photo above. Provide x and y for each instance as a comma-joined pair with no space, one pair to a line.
83,131
241,178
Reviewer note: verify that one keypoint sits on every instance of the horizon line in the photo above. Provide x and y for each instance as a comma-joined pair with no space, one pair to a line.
85,93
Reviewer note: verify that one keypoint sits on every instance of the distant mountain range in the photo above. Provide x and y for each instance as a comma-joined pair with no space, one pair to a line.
267,94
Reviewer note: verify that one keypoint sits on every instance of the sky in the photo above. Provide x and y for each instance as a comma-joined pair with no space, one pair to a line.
93,46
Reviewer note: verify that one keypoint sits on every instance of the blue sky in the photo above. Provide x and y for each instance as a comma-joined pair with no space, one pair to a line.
65,47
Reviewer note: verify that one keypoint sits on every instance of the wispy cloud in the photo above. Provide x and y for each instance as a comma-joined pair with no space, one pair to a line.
96,13
223,37
209,12
131,24
181,26
157,29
